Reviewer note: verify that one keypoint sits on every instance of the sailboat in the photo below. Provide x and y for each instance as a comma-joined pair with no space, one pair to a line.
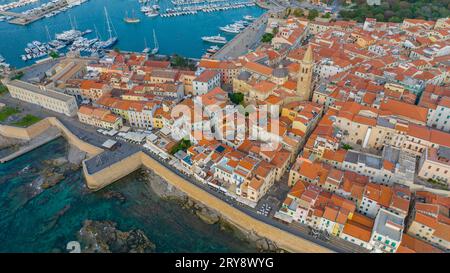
146,49
112,40
156,48
131,20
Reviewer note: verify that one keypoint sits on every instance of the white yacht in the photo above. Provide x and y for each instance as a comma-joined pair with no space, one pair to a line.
215,39
230,29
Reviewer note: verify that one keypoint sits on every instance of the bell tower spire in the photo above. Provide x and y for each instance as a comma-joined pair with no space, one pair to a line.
304,80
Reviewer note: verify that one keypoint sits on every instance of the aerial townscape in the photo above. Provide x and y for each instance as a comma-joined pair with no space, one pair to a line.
320,126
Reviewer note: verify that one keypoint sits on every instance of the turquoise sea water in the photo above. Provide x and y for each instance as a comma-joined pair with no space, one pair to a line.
179,34
47,221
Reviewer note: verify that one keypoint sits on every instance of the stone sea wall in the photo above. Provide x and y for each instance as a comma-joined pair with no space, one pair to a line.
114,172
238,219
91,150
25,133
43,125
202,199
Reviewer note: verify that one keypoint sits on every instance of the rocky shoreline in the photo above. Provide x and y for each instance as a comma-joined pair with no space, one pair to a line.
168,192
55,170
105,237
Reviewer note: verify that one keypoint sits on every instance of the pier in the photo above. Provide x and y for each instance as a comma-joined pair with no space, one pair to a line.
26,19
13,14
244,41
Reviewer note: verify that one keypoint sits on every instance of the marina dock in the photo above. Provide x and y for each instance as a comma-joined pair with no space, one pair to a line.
13,14
30,18
26,18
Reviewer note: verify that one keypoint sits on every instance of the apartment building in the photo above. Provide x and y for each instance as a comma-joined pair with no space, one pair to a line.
387,232
93,90
228,69
393,166
435,164
205,81
99,117
358,230
430,219
368,128
45,97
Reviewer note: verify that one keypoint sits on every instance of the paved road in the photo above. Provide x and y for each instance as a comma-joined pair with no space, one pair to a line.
90,135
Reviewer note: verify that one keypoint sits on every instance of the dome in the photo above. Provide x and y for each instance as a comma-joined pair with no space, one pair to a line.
244,75
280,72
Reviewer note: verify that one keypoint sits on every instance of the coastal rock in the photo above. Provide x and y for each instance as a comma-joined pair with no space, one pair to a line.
165,190
57,162
161,187
51,180
104,237
263,244
114,195
208,216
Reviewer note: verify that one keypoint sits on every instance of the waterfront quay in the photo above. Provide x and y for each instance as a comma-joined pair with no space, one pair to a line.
25,19
289,237
246,40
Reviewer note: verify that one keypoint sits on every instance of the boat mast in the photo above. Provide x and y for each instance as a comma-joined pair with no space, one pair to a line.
48,33
70,20
107,22
154,39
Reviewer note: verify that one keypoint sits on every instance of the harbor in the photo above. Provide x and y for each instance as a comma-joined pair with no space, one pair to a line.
180,35
46,10
191,7
73,40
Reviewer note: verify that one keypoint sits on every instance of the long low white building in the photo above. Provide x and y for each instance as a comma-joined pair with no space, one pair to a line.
45,97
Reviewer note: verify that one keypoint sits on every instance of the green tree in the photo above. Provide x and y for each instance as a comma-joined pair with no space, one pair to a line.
395,19
182,145
181,62
313,14
397,10
3,89
299,12
236,98
346,147
17,76
54,54
267,37
275,31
